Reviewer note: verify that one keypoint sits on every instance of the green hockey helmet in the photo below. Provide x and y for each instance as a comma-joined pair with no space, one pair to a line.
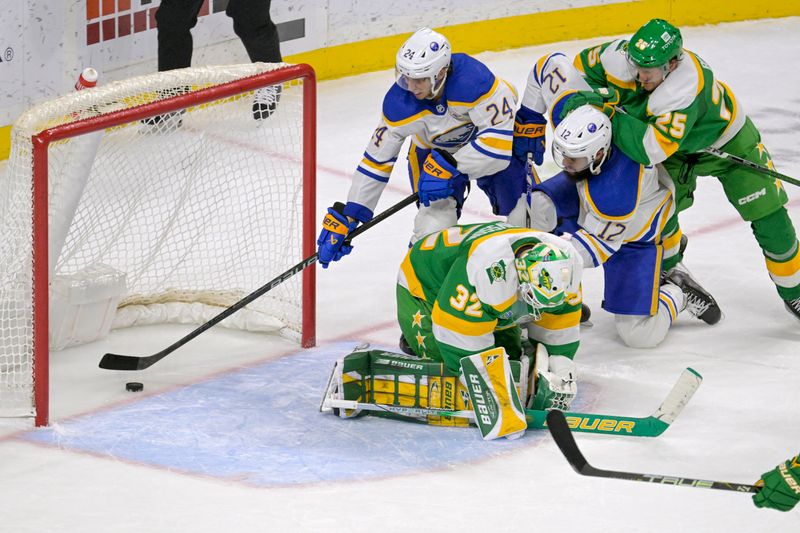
544,273
654,45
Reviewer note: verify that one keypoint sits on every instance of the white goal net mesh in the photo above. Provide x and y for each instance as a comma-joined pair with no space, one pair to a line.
196,208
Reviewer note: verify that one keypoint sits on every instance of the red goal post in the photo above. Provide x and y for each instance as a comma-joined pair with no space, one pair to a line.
180,161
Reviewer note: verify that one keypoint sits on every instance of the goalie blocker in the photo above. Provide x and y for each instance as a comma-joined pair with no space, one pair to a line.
490,391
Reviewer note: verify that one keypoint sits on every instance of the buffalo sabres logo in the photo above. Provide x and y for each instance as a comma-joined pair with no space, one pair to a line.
440,108
456,137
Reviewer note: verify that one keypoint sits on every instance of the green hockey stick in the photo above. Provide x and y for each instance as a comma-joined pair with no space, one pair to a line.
749,164
650,426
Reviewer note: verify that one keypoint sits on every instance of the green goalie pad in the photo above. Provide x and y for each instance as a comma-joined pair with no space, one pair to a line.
387,378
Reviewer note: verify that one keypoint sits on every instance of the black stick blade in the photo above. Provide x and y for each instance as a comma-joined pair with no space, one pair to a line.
112,361
559,429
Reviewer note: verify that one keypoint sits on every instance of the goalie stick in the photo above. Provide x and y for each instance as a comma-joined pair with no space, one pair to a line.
561,433
112,361
651,426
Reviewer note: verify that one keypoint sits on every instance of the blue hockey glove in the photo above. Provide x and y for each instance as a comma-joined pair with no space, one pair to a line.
335,227
603,99
529,129
438,179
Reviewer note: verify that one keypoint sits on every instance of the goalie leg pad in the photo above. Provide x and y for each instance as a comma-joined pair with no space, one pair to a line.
494,396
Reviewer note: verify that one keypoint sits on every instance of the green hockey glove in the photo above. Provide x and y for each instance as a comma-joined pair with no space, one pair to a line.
780,486
603,99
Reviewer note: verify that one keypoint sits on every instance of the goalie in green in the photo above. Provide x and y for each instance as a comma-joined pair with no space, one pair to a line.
463,296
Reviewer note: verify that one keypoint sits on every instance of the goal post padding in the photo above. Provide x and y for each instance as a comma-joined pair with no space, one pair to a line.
169,180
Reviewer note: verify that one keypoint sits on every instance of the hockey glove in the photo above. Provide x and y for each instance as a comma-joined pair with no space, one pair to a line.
335,227
529,128
780,486
603,99
556,386
437,180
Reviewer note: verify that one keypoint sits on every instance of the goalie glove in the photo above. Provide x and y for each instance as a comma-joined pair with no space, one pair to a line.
780,486
557,385
331,241
439,177
529,130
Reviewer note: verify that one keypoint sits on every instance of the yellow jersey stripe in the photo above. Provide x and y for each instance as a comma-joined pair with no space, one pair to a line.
486,95
668,146
508,231
556,101
578,63
555,322
646,226
670,305
414,285
620,217
496,143
700,80
621,83
503,306
656,282
599,248
673,240
386,167
453,323
407,120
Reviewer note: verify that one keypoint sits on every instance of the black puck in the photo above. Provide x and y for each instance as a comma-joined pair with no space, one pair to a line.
134,386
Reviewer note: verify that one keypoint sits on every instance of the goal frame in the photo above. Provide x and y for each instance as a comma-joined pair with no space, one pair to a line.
42,141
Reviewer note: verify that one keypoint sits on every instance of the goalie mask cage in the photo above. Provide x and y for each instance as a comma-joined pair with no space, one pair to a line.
169,180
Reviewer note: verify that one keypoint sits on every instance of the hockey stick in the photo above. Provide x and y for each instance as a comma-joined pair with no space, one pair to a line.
749,164
559,429
651,426
113,361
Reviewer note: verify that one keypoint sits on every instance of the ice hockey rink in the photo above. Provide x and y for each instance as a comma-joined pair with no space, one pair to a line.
227,436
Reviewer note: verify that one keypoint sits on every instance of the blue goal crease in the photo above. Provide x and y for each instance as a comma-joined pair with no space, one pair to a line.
262,425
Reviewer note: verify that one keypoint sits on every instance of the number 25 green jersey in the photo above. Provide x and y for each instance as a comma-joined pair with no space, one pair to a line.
689,111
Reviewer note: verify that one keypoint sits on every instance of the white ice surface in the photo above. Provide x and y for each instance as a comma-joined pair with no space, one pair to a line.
742,421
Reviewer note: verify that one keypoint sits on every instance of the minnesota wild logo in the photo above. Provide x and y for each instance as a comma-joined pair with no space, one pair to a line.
497,271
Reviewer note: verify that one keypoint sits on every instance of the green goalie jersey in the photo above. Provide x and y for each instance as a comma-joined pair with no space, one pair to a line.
689,111
457,292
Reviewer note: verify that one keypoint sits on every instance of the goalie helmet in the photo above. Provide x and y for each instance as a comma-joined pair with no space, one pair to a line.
545,273
581,135
654,45
423,56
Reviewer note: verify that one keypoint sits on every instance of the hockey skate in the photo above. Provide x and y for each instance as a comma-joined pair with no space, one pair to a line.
793,306
266,101
698,301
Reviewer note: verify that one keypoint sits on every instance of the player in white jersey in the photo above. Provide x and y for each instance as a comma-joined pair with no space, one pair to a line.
615,209
459,117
